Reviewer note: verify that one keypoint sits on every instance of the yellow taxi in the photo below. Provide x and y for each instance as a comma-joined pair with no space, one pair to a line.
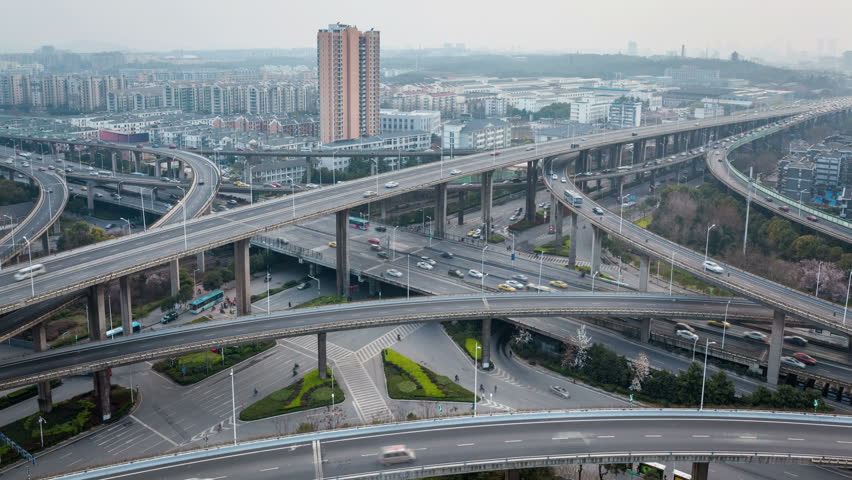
332,244
506,288
559,284
717,323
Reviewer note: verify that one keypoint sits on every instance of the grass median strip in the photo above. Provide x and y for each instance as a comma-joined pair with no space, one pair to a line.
408,380
308,392
195,367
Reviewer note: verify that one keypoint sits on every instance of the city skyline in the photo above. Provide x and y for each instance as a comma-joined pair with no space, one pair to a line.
535,29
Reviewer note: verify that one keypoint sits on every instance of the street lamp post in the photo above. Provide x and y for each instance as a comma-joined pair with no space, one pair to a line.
233,402
593,281
32,277
707,242
475,356
725,324
846,307
694,343
292,193
183,206
540,260
408,281
319,285
482,267
671,275
704,378
393,243
129,231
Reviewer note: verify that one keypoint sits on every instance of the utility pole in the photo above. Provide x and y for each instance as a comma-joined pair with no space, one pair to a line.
748,208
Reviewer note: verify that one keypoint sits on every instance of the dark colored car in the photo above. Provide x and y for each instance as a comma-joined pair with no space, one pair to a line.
169,317
456,273
383,254
447,255
381,229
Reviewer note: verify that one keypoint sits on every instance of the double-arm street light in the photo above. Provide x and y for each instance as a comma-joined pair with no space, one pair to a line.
707,242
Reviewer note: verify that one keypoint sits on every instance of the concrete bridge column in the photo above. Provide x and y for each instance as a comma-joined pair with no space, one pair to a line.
137,160
90,197
114,162
597,236
45,242
57,227
532,179
158,169
582,162
486,199
199,261
169,171
174,276
644,267
700,470
242,272
124,301
653,177
598,159
182,169
556,218
640,156
660,146
486,342
776,343
342,251
440,210
45,396
373,286
614,156
645,329
97,331
572,247
461,200
322,357
383,210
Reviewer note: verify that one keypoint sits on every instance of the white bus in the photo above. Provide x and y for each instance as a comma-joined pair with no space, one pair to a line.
624,168
574,198
29,272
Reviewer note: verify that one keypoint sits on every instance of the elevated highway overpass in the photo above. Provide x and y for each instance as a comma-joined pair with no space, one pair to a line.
98,355
460,445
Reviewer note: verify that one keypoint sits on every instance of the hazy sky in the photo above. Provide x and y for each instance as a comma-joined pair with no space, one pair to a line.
751,26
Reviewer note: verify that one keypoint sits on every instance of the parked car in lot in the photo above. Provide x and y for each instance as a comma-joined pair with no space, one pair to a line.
561,391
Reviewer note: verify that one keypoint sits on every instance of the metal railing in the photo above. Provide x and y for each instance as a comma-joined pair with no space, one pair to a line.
283,246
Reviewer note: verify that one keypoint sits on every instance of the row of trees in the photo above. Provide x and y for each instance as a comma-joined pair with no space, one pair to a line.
12,192
579,357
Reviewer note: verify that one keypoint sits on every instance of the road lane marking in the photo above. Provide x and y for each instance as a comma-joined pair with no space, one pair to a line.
701,436
268,469
606,436
843,441
368,454
791,474
748,437
796,439
465,444
140,422
653,436
512,441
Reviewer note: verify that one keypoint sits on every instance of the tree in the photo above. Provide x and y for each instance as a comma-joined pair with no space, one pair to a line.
720,390
660,385
79,234
809,246
689,385
581,342
760,397
641,369
522,336
187,287
607,367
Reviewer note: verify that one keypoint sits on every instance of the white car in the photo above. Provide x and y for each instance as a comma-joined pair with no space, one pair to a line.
756,336
792,362
474,273
455,171
564,180
394,273
686,334
391,184
428,260
561,391
553,176
424,265
713,267
514,284
369,193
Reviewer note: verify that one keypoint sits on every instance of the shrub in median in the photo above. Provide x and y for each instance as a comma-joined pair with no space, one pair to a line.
408,380
308,392
194,367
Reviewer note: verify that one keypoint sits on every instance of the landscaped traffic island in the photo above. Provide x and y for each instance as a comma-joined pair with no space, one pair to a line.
308,392
408,380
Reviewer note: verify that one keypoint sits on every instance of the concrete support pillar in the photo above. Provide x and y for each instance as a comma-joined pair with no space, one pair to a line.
615,156
137,160
45,396
373,286
322,358
440,210
700,470
169,171
124,301
644,267
776,344
383,210
583,162
199,261
158,169
486,342
462,198
532,178
90,197
486,198
182,169
97,331
242,272
113,158
572,247
597,236
57,227
174,276
342,251
653,177
645,329
45,242
556,218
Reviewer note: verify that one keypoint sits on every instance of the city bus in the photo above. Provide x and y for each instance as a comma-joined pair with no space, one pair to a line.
574,198
203,303
360,223
624,168
139,174
114,332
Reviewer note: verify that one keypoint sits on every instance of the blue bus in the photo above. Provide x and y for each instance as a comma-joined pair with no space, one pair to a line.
114,332
359,223
139,173
200,304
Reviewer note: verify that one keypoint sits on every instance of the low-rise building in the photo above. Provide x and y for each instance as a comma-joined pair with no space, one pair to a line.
795,177
625,115
394,120
280,171
476,134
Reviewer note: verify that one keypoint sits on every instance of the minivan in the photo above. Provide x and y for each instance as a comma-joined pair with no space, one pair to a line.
29,272
396,454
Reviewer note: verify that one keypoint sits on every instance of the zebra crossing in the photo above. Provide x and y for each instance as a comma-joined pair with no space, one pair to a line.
368,401
564,261
373,348
505,377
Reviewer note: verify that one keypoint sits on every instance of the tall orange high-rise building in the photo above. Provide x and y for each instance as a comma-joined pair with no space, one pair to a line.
348,64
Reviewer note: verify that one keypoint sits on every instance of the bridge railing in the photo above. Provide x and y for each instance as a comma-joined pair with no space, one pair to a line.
283,246
767,192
